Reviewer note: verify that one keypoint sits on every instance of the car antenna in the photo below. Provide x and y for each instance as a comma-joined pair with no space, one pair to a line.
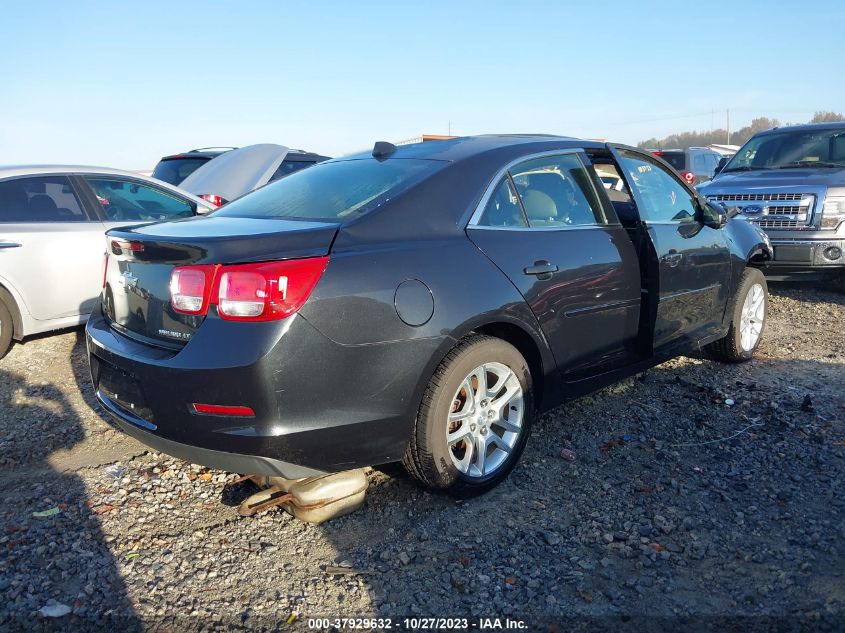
383,149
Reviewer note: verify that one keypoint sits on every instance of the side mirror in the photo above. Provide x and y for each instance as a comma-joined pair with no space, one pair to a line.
722,162
713,215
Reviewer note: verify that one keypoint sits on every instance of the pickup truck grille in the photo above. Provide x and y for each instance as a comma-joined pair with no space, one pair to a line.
772,210
774,223
737,197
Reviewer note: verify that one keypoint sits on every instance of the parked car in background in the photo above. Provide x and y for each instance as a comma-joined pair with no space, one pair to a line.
420,303
790,181
52,222
695,164
174,169
240,171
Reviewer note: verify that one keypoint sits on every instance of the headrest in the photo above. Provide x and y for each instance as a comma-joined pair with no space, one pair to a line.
42,203
538,205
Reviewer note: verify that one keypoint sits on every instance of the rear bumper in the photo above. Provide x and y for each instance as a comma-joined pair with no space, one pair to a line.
319,406
807,257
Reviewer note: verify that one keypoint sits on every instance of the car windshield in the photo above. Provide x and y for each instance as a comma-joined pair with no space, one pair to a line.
175,170
796,148
334,190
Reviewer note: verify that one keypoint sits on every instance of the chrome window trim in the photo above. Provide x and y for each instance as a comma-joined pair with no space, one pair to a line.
491,188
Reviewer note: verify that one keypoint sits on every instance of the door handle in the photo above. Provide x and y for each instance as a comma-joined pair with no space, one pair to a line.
542,269
9,245
672,258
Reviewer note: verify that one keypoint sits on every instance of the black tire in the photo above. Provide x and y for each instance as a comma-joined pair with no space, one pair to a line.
428,457
6,329
730,348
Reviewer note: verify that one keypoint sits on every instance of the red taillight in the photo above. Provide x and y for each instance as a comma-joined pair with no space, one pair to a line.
190,288
211,198
267,291
246,292
221,409
688,177
658,153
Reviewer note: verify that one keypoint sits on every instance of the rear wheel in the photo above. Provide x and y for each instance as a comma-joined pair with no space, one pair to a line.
474,419
6,329
748,321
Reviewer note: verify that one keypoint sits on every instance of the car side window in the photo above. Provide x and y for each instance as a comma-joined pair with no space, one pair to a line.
40,199
662,198
557,191
123,199
503,208
700,164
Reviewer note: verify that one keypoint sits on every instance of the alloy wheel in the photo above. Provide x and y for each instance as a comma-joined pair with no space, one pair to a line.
752,316
485,420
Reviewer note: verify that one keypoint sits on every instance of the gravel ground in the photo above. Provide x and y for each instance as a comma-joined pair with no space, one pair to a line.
655,516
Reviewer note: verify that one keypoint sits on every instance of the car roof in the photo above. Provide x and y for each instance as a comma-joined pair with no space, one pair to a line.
8,171
805,127
462,147
14,171
205,152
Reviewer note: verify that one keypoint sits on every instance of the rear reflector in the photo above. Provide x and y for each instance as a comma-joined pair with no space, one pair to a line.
246,292
221,409
688,177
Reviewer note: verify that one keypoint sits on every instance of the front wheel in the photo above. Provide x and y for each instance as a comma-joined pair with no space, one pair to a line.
474,419
750,309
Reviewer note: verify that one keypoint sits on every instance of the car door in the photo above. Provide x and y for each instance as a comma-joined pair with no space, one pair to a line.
544,225
51,250
693,260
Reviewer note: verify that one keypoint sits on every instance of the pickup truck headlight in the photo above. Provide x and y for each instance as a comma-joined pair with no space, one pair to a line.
833,211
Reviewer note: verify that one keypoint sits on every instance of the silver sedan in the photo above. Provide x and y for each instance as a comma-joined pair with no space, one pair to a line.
52,220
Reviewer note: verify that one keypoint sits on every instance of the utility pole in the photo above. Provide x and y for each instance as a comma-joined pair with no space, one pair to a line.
728,111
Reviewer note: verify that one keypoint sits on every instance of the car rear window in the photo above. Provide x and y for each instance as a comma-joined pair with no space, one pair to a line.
175,170
676,159
334,190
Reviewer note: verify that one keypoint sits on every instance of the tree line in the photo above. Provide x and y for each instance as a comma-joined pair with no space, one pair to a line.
720,136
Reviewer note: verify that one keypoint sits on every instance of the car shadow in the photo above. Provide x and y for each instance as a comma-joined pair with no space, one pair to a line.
56,570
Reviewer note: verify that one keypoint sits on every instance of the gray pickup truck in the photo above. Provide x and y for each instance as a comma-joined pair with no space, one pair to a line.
790,181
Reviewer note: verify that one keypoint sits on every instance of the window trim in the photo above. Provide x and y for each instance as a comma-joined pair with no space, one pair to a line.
476,216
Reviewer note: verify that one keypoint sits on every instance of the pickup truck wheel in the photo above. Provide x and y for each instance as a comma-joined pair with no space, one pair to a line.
474,419
6,329
748,321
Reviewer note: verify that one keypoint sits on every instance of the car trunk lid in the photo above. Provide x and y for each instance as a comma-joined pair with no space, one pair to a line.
140,261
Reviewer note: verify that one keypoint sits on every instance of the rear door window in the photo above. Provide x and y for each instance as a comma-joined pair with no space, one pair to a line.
504,209
129,200
40,199
557,192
